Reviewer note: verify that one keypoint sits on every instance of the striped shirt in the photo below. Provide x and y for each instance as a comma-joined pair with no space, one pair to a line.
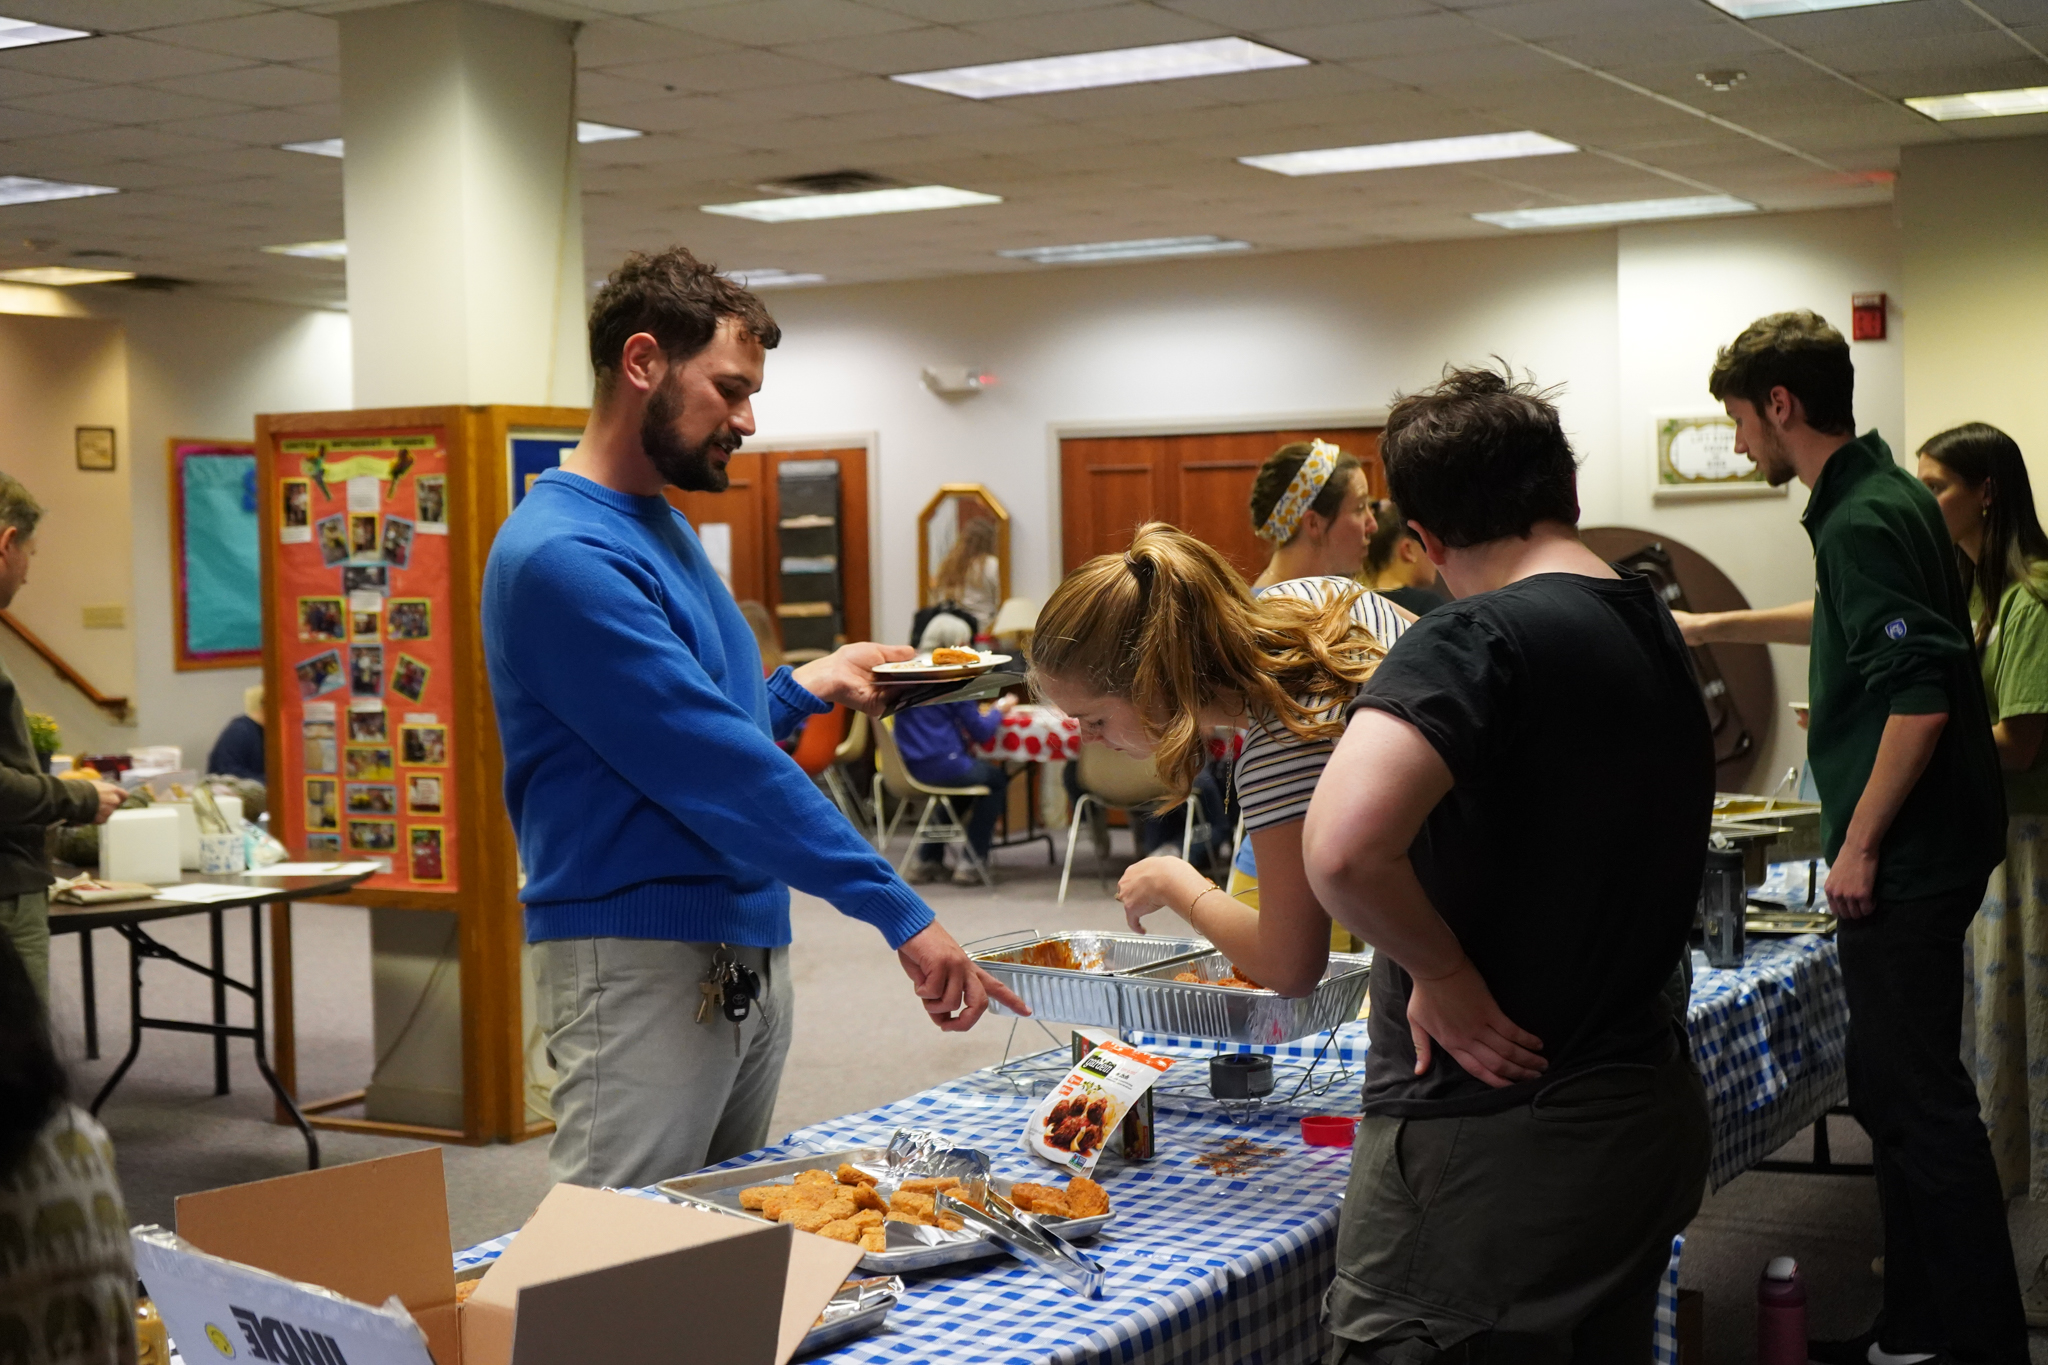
1277,771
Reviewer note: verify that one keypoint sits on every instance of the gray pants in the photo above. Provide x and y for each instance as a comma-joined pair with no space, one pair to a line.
25,919
1536,1235
643,1091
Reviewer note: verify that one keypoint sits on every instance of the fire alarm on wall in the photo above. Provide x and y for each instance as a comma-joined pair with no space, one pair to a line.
1866,317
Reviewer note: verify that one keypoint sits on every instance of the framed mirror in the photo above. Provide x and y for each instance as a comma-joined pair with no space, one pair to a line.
963,551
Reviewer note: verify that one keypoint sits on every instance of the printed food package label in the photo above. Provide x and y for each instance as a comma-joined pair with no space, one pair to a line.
1070,1125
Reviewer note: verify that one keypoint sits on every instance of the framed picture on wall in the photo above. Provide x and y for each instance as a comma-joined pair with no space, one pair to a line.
1696,458
95,448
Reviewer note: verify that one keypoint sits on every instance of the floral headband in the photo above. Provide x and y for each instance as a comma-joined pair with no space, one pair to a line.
1302,491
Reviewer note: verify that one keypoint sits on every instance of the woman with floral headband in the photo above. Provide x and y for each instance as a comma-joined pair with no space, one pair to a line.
1152,649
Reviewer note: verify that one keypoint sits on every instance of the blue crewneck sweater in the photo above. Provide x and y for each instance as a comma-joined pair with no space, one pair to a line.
641,771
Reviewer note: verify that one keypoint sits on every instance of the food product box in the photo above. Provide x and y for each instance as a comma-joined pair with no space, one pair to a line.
1071,1125
592,1275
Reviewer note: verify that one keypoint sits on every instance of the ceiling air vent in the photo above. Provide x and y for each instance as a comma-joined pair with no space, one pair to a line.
828,182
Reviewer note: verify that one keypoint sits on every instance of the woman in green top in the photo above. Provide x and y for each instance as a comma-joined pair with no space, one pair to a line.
1978,477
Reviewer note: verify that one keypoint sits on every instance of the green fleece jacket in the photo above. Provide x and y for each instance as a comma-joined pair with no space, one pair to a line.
1891,636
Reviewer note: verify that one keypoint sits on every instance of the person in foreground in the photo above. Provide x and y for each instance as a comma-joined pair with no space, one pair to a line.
67,1282
659,825
1912,819
1535,1132
1152,649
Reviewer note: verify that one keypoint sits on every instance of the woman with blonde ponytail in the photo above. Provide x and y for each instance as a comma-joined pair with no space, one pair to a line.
1153,649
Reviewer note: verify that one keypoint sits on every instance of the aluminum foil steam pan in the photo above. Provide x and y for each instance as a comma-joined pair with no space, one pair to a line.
1088,992
1156,1003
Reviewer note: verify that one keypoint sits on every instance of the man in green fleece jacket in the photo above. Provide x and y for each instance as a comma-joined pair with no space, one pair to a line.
1913,821
30,801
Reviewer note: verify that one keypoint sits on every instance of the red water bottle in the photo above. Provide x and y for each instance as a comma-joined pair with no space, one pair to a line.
1781,1314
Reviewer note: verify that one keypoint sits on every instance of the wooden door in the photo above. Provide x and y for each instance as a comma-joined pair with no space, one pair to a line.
1200,482
750,506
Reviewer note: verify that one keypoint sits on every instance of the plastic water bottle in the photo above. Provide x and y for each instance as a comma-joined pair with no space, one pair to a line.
1781,1314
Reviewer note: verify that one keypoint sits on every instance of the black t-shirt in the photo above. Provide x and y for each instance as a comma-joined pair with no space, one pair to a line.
1567,858
1421,601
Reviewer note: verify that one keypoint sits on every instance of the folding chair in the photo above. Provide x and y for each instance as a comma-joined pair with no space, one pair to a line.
1116,781
938,822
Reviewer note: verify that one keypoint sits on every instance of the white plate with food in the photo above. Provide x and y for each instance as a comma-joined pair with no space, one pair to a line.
940,665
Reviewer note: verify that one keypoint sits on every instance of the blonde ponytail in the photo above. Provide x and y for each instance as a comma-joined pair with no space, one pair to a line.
1168,626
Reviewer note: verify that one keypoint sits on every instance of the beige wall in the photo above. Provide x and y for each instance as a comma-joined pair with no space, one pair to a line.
1975,227
58,374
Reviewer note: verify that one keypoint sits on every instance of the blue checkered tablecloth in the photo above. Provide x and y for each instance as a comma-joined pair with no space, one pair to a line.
1203,1268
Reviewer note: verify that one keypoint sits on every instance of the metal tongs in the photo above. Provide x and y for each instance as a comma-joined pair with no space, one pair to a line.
1024,1237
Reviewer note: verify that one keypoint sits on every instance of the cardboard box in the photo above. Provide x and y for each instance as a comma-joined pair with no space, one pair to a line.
592,1275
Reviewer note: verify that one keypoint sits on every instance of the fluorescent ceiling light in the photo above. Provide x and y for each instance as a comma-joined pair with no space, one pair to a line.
1139,249
27,189
1634,211
771,277
63,275
803,208
1766,9
1436,151
603,132
1118,66
2032,99
27,33
312,251
326,146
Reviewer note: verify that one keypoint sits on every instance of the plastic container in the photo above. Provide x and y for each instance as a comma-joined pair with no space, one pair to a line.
140,846
1781,1314
1241,1076
1338,1130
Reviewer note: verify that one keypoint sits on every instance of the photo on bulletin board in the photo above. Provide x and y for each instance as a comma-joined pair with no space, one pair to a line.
409,679
411,618
423,746
425,844
396,547
319,675
322,619
367,763
366,670
295,512
365,625
423,794
374,578
372,798
362,537
323,845
1696,458
368,727
373,836
431,504
321,811
319,746
216,561
333,536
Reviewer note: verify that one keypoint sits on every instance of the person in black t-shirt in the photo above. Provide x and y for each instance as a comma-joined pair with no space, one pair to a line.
1535,1130
1396,565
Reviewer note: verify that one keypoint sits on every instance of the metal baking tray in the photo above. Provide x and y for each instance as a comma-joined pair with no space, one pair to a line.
858,1308
1155,1003
719,1191
1091,995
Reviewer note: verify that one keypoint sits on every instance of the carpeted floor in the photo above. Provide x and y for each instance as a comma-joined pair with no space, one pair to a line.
174,1136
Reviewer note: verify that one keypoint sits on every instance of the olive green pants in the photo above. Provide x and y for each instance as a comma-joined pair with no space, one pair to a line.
25,920
1533,1236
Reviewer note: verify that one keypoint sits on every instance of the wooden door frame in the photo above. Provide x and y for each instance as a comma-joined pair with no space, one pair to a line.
871,442
1057,433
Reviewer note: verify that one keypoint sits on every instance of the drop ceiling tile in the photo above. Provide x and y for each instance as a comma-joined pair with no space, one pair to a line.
17,84
1945,79
118,104
1987,47
1906,22
268,86
727,71
930,48
140,144
222,159
1291,84
1377,40
1460,68
266,127
1092,30
982,11
121,16
276,36
1271,15
677,114
114,60
603,90
774,23
1543,20
619,42
855,95
18,125
1721,45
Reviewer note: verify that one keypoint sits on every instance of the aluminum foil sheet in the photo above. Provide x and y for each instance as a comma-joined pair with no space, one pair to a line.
858,1308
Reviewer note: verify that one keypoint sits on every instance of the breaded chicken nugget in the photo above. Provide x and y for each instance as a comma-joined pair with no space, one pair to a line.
865,1196
1025,1195
909,1201
1052,1205
806,1220
1085,1198
816,1178
914,1219
949,1223
929,1184
841,1230
849,1176
753,1195
839,1208
867,1218
874,1240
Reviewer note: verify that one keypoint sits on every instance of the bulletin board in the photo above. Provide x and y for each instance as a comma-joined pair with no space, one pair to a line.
216,591
363,610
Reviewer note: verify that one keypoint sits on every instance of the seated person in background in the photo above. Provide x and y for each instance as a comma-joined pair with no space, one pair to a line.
239,750
1152,649
937,744
68,1298
971,576
1396,565
1535,1132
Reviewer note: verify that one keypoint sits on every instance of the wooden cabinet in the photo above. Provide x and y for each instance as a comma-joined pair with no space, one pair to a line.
1200,482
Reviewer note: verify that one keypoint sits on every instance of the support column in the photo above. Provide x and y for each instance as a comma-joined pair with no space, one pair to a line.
462,203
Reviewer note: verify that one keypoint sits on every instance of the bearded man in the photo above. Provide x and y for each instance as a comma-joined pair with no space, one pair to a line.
1913,820
660,826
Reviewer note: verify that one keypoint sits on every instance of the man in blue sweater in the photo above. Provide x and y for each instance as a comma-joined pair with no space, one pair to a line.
659,825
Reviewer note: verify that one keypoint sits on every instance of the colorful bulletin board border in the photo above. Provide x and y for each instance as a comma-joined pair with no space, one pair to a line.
361,586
